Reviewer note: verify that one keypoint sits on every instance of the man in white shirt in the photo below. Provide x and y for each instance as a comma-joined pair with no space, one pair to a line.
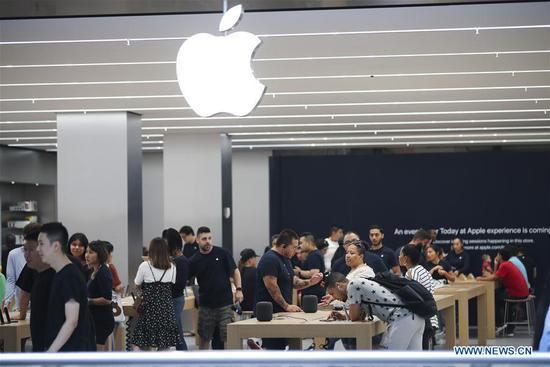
336,235
16,263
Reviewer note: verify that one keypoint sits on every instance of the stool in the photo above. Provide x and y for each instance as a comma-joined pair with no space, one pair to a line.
529,303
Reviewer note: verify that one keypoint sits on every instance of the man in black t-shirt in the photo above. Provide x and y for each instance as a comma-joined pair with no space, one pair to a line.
276,280
214,267
68,323
376,236
190,245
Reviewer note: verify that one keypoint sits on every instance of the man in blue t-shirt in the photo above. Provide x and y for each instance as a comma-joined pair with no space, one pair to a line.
276,280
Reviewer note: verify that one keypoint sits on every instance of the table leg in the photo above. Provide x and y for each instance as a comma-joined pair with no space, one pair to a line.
463,320
12,344
295,344
364,340
450,326
120,337
491,325
233,339
482,319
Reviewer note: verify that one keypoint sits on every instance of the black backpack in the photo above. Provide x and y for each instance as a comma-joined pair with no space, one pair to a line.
415,296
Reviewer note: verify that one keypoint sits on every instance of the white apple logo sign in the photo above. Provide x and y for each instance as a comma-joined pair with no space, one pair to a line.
214,73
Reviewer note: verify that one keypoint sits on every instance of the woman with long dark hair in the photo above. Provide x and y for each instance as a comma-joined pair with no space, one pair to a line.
156,326
100,288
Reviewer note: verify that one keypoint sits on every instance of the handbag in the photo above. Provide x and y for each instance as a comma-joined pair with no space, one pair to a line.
138,303
116,304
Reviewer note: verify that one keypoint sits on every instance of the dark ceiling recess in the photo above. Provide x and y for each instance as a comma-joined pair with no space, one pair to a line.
10,9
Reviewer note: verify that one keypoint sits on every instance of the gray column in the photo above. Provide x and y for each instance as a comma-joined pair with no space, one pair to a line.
99,179
194,184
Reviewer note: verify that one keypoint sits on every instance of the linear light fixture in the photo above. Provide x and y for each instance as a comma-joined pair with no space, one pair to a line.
334,115
397,137
28,122
304,58
32,145
300,105
389,131
358,144
27,131
340,124
343,76
129,41
29,138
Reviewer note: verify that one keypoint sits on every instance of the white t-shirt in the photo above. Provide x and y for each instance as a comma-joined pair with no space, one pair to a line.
144,274
331,250
362,271
361,291
422,276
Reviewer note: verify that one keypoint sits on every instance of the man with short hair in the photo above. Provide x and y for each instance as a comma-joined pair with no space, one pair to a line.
333,240
16,262
376,236
370,259
190,246
68,322
213,267
276,280
514,284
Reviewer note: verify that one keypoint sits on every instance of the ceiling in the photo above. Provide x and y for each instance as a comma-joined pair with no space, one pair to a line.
461,75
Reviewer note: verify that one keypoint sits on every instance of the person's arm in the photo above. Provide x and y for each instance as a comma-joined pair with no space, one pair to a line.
449,275
275,292
10,279
306,274
72,309
24,299
488,277
304,283
238,284
356,313
396,270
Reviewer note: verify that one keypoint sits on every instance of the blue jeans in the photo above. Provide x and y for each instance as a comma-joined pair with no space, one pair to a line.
178,308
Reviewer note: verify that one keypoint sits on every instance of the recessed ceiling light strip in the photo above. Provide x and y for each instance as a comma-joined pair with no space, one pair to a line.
418,143
27,122
340,124
388,131
128,41
345,76
389,137
304,58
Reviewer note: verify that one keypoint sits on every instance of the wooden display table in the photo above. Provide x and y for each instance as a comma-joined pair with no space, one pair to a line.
14,333
299,325
490,285
446,304
463,295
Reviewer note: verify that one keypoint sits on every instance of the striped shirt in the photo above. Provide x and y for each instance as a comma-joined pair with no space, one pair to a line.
422,276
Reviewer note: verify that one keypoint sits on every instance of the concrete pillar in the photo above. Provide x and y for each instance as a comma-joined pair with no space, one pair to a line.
99,162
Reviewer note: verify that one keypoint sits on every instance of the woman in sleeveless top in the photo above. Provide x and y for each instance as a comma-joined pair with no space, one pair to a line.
156,326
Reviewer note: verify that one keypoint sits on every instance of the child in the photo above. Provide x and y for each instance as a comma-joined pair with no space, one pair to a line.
486,267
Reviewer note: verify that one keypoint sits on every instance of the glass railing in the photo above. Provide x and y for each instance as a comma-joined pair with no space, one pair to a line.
279,359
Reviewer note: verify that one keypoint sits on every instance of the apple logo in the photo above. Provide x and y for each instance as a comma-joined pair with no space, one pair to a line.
214,73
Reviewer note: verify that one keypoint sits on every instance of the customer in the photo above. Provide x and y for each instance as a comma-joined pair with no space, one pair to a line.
387,255
370,259
313,263
100,288
529,263
359,270
486,266
515,286
78,243
117,283
7,246
173,238
333,241
276,280
156,326
458,258
404,330
421,239
519,264
190,245
16,262
214,267
247,268
67,325
440,270
409,258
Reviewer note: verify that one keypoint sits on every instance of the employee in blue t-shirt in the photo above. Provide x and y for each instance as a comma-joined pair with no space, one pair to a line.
276,280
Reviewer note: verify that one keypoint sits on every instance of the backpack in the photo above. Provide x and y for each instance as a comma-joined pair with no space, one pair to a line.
415,296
